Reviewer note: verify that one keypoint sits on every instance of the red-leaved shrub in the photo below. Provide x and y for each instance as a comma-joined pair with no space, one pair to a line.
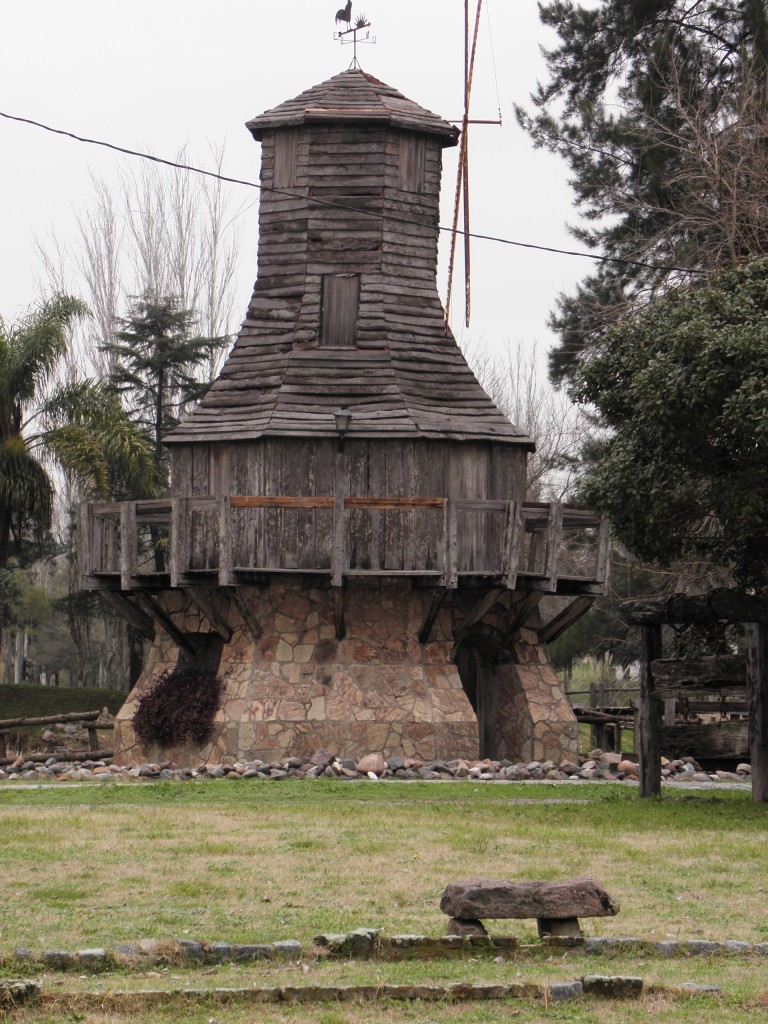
179,708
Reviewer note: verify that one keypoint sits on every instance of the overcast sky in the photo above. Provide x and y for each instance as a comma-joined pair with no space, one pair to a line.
159,74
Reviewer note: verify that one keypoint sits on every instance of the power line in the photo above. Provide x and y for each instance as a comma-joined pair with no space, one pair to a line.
339,206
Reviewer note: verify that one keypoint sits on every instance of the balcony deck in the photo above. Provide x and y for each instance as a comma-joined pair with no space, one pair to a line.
236,540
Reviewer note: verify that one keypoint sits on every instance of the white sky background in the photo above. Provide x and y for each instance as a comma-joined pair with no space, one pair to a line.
159,74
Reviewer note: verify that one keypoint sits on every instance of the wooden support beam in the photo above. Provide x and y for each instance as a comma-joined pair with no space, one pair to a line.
649,723
338,612
757,696
709,673
252,624
481,609
134,616
565,619
161,616
716,606
431,617
520,613
205,603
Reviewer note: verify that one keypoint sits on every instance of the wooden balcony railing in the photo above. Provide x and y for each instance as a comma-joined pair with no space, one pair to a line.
226,541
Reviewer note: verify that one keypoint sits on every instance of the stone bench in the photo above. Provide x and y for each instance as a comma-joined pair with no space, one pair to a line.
557,906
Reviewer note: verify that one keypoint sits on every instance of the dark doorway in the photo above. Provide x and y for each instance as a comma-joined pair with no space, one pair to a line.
477,676
204,655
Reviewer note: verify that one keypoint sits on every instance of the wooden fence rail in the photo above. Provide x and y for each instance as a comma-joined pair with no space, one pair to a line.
89,718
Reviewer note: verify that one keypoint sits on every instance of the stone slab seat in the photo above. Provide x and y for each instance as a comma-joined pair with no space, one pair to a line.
556,906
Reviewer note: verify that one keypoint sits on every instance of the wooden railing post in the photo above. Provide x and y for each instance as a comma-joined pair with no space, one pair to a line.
225,541
513,543
554,536
451,545
84,520
338,552
177,539
128,544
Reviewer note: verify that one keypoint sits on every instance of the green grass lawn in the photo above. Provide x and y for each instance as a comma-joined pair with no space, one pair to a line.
255,861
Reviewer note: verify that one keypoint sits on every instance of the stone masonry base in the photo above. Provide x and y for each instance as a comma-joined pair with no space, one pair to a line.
295,688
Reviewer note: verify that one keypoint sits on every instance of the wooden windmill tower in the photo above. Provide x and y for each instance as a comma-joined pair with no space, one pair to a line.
350,545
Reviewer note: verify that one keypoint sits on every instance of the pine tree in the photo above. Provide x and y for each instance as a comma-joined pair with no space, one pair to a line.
659,108
154,359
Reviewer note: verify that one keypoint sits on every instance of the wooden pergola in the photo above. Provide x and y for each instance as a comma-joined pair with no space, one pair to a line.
703,609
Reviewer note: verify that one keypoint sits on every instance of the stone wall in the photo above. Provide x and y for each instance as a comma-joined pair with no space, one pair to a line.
296,688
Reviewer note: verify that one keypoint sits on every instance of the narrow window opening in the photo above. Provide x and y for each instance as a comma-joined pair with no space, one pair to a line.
204,656
412,160
341,301
286,158
219,466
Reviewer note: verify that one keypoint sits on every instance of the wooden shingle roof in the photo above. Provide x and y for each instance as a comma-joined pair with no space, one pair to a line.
353,96
405,377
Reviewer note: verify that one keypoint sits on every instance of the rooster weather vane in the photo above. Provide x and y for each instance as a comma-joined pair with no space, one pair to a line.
356,24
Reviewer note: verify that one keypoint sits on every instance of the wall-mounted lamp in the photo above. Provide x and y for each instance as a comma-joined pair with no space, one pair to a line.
343,418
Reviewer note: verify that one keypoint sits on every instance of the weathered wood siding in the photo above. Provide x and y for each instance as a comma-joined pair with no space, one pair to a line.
345,309
390,538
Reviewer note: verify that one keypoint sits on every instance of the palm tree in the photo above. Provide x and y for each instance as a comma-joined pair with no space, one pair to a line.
81,425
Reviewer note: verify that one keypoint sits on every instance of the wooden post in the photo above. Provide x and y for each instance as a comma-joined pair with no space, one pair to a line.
337,558
128,544
554,537
757,697
225,540
649,716
451,545
670,706
84,521
431,617
177,546
602,574
513,543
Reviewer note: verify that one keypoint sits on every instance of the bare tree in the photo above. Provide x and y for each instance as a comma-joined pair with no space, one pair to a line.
518,385
156,232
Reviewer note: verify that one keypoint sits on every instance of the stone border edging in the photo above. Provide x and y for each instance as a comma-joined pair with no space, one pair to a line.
361,944
15,993
598,766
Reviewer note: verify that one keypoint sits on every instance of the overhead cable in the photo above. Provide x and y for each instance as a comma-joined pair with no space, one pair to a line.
339,206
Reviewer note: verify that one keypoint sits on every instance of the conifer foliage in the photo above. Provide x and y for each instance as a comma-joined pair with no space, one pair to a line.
659,109
155,359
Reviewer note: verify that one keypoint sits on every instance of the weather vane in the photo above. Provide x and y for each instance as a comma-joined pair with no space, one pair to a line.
354,25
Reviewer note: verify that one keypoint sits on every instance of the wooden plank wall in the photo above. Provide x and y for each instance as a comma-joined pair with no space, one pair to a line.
391,538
